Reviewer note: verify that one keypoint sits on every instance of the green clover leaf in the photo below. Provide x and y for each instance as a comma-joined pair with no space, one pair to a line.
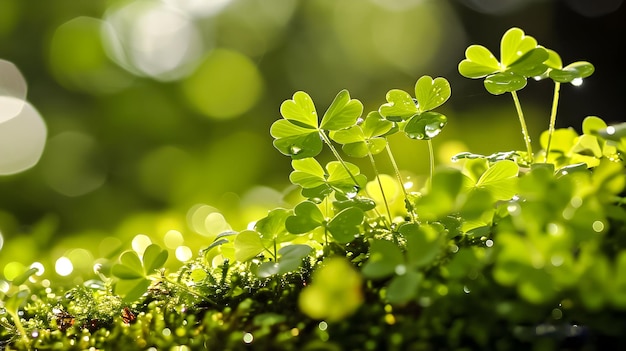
425,126
342,112
310,175
520,58
134,272
366,138
306,217
431,93
400,106
421,123
299,134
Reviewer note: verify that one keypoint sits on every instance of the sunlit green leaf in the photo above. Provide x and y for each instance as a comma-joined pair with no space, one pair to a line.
514,45
20,279
130,266
399,104
576,70
403,288
295,141
431,93
423,243
425,126
300,110
479,62
531,64
342,113
153,258
504,82
291,257
344,225
308,173
500,180
272,226
307,216
385,256
248,244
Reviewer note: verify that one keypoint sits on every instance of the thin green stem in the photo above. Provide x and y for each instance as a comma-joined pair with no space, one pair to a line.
397,172
338,157
522,122
431,156
555,103
380,185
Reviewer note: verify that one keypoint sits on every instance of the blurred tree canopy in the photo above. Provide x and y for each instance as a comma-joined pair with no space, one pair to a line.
158,111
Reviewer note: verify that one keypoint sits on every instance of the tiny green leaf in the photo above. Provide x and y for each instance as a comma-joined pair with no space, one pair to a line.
20,279
300,110
399,104
291,257
500,180
403,288
295,141
132,289
504,82
272,227
130,266
153,258
248,244
307,216
576,70
425,126
342,112
514,45
479,62
431,93
344,226
385,256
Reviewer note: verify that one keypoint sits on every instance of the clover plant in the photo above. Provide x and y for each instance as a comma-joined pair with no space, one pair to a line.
495,251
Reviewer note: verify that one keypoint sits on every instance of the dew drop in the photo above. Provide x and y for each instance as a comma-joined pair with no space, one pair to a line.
610,130
598,226
34,334
294,149
247,338
400,269
577,82
489,243
514,209
433,129
322,326
466,290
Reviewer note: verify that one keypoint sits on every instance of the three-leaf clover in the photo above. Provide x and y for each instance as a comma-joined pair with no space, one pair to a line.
300,134
419,121
343,226
134,273
318,182
520,58
366,138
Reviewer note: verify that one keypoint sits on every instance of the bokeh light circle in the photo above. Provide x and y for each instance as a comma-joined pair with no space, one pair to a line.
22,140
13,90
72,165
150,38
225,85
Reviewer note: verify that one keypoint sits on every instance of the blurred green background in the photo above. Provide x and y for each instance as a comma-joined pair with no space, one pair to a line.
158,111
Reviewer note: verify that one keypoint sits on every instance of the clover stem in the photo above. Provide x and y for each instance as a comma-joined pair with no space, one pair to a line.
409,206
338,157
555,103
522,122
380,185
431,156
